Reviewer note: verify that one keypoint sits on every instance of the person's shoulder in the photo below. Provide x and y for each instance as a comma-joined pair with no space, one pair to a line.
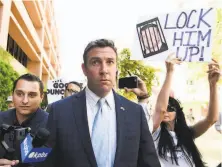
43,113
3,113
6,116
70,99
66,104
41,116
127,102
6,113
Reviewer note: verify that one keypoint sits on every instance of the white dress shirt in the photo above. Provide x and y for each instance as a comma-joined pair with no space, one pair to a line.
92,108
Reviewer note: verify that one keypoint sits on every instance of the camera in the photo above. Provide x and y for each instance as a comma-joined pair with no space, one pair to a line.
15,134
128,82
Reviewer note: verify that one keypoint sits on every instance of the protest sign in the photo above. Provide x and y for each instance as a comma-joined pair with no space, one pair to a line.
56,90
188,34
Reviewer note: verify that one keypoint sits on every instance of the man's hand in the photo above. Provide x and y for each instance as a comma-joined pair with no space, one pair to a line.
8,163
140,91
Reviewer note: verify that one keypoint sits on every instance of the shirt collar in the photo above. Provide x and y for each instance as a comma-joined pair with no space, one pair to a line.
110,100
26,122
94,98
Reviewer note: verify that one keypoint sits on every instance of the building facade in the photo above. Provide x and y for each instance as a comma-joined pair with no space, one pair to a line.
28,32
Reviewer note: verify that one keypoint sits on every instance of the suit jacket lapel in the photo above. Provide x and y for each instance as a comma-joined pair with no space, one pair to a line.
79,106
120,122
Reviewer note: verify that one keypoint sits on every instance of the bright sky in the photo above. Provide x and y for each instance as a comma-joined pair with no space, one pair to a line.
79,22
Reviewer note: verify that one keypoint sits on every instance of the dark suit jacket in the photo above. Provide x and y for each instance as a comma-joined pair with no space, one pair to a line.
70,136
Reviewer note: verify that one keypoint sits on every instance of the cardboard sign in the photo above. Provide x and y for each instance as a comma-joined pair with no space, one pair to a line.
188,34
56,90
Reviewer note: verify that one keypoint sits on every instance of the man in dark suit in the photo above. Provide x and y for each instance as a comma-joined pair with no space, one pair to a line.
97,127
27,96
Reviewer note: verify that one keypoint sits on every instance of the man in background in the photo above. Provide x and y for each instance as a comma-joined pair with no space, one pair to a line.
9,102
72,88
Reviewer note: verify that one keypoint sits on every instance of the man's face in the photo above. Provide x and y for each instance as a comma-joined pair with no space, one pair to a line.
27,97
100,70
71,89
151,36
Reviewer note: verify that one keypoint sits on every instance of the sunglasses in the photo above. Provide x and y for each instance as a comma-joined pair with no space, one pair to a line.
72,91
171,109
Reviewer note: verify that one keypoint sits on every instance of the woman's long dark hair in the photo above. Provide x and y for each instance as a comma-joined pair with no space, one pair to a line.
184,135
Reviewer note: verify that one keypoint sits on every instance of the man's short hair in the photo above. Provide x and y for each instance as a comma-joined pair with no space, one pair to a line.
74,82
100,43
31,78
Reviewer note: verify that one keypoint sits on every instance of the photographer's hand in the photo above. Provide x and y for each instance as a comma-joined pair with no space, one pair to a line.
141,91
8,163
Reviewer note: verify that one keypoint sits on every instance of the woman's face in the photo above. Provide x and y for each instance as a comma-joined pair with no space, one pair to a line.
170,114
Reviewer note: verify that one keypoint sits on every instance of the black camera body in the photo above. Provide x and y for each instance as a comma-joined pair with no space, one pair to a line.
15,134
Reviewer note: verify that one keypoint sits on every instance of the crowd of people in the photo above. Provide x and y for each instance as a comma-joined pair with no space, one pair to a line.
96,127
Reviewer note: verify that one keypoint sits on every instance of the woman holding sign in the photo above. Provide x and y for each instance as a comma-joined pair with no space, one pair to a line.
174,140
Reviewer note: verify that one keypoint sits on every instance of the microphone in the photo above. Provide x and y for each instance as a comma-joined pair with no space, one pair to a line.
40,138
33,149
